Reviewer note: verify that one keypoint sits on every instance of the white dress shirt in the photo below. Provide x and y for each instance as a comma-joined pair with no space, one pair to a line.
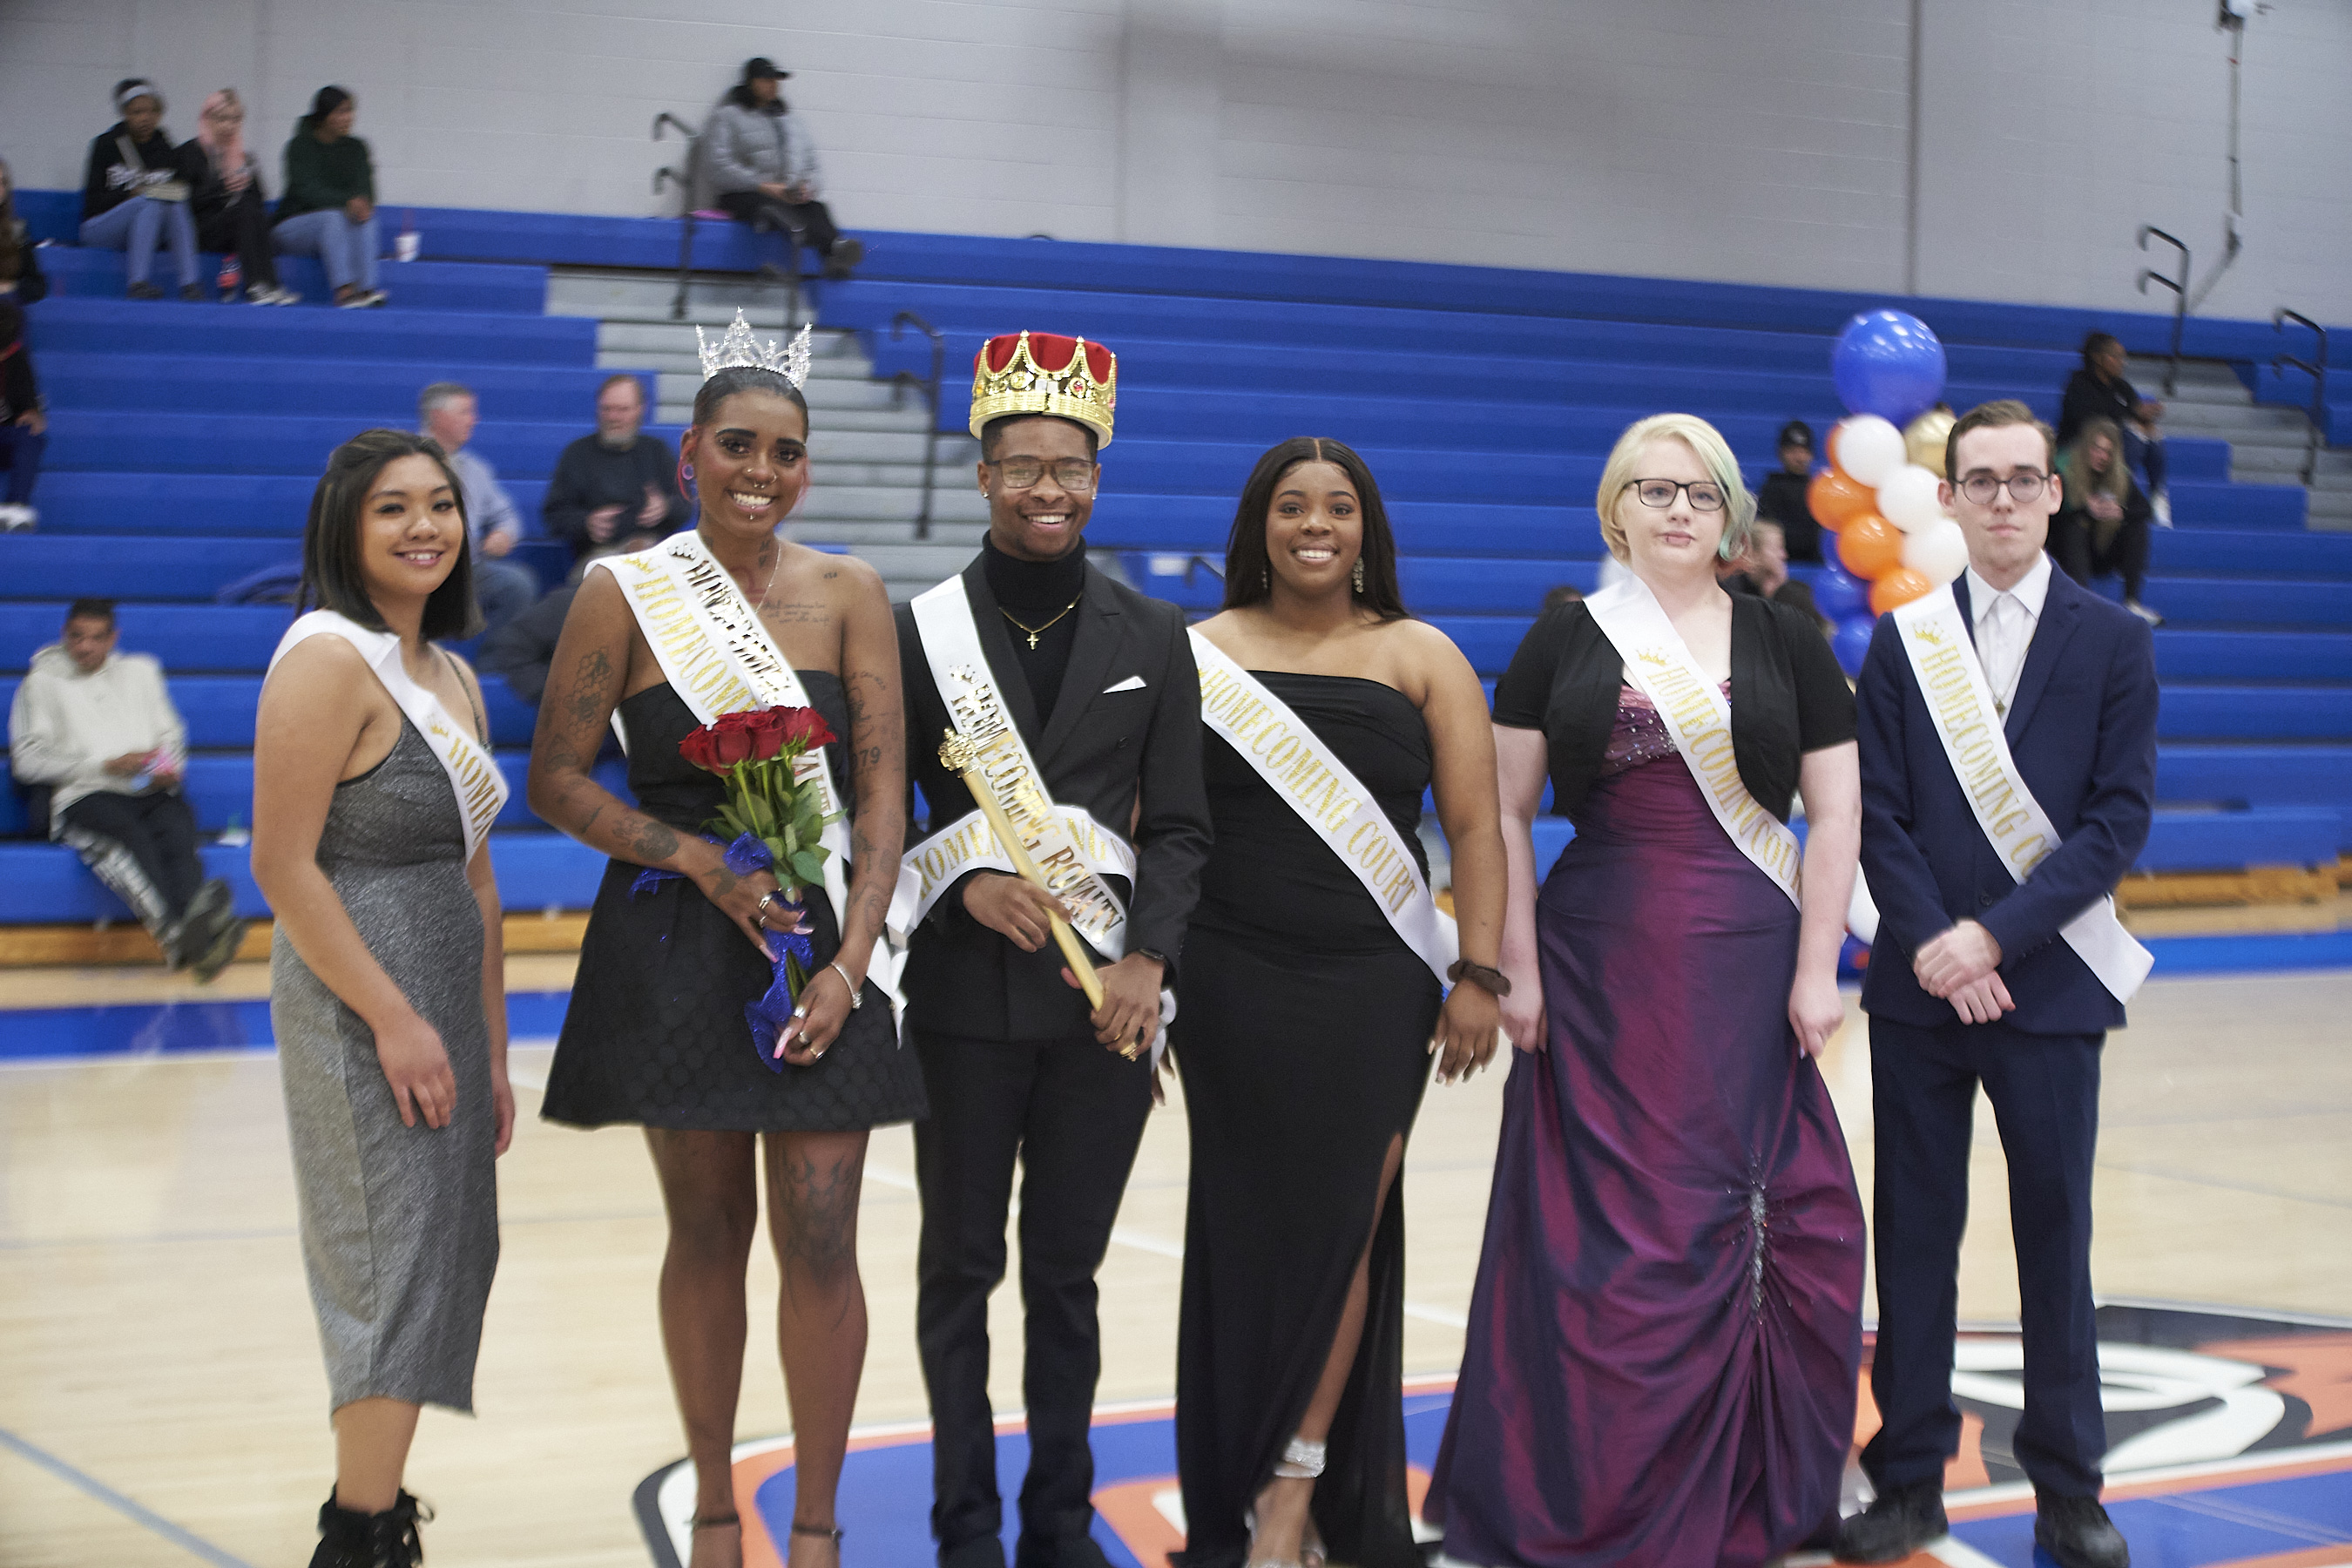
2005,619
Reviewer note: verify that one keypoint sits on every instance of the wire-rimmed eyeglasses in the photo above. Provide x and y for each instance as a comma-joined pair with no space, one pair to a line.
2022,487
1075,475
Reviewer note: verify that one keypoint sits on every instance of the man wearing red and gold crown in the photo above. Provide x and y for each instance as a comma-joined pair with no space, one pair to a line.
1074,700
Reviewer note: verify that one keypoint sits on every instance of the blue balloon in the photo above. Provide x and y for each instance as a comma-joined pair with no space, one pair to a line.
1852,641
1838,591
1888,363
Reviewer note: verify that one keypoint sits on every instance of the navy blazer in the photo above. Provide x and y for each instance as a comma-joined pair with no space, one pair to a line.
2083,731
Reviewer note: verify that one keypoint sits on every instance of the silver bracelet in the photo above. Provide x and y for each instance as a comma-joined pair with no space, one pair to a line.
857,992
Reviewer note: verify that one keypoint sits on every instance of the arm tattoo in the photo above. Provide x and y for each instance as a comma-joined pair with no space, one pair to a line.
652,842
592,683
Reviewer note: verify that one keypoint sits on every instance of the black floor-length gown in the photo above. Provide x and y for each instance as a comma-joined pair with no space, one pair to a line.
655,1033
1302,1033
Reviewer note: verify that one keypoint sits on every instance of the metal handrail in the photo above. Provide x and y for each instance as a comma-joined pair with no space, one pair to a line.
684,180
2179,286
2315,368
931,402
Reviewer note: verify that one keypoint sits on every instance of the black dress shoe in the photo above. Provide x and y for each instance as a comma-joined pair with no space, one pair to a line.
2078,1532
1900,1521
979,1552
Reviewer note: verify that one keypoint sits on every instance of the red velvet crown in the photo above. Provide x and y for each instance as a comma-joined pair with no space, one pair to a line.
1044,372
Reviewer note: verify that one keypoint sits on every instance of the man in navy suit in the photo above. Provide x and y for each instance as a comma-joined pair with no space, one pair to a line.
1972,982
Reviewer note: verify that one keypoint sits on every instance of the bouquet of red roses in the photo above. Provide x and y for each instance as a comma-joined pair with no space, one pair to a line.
772,820
758,751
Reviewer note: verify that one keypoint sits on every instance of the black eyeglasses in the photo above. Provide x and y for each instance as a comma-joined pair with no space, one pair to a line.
2022,487
1703,495
1075,475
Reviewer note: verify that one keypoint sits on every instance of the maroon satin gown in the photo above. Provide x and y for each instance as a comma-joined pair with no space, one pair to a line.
1665,1332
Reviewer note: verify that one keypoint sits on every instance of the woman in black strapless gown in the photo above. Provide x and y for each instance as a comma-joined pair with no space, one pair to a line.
656,1032
1304,1032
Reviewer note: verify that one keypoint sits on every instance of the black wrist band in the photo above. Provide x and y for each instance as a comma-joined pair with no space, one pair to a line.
1489,980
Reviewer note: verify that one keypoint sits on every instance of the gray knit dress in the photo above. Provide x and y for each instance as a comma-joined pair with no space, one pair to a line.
400,1225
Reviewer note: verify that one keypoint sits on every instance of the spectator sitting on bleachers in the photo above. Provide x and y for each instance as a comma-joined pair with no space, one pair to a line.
1762,569
2098,391
524,650
1561,594
232,214
448,411
99,730
2102,521
1782,496
616,484
328,207
23,425
135,192
760,162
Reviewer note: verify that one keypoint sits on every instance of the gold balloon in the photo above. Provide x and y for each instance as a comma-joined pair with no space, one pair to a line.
1923,439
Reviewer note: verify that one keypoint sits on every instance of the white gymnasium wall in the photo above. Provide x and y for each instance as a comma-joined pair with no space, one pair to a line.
1761,141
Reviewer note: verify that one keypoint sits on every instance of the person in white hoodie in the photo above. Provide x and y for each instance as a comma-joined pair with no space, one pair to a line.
99,728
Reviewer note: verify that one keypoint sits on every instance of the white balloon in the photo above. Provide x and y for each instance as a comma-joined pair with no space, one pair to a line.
1938,551
1907,497
1868,448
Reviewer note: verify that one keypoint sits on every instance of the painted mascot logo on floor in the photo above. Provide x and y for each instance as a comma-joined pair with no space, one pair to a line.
2230,1434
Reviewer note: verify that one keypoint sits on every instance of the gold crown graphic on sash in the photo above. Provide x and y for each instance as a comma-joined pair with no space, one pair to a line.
1043,372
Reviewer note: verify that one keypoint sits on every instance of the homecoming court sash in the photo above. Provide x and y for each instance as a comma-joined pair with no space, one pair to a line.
1959,703
1698,722
474,774
1312,781
720,659
1074,851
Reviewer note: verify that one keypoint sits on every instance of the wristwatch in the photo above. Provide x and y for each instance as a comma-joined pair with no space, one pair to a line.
1162,959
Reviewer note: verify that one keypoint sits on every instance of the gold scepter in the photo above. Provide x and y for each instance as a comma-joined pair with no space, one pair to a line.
959,756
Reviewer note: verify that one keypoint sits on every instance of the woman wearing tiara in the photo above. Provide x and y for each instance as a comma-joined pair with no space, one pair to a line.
1667,1325
1309,1010
656,1034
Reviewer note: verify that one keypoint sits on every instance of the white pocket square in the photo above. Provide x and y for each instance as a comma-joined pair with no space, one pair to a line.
1132,683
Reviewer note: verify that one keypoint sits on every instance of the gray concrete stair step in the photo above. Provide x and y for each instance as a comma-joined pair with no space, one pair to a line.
887,503
860,535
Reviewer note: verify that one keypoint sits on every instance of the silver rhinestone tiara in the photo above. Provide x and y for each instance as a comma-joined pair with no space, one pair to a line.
739,347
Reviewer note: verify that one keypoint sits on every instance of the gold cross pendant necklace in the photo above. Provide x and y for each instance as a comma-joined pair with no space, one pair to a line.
1032,631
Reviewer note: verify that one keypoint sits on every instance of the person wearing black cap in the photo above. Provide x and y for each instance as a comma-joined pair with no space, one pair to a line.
760,164
135,192
1782,498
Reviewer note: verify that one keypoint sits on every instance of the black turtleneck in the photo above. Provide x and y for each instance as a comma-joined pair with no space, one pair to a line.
1034,592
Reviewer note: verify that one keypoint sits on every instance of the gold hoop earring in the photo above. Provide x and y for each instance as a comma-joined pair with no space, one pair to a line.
1357,577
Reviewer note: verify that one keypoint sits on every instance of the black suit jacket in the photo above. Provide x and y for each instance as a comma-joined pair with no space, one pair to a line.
2083,731
1132,755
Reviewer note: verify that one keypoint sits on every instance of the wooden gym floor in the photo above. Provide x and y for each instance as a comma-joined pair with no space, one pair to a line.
161,1401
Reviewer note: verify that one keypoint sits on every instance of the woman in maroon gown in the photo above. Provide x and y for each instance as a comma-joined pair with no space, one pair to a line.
1664,1336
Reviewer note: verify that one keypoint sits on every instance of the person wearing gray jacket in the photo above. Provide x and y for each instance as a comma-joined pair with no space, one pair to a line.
98,729
758,164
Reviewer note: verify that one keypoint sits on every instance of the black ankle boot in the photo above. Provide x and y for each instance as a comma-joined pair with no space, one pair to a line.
349,1539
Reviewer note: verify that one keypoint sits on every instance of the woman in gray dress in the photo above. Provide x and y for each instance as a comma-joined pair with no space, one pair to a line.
373,785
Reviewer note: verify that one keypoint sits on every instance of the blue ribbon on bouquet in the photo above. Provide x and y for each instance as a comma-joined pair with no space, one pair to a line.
768,1014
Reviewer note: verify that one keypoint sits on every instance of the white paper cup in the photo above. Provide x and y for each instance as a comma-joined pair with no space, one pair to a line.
404,246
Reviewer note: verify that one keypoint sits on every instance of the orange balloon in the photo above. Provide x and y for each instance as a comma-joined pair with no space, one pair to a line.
1870,546
1836,499
1899,586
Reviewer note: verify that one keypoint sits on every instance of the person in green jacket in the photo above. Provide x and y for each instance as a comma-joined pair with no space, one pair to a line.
328,207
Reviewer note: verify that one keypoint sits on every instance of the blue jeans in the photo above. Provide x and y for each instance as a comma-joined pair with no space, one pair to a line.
504,589
135,226
346,249
20,454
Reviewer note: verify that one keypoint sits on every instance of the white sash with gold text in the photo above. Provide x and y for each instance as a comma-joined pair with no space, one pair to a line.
1333,803
1944,659
472,772
1072,849
1698,722
720,659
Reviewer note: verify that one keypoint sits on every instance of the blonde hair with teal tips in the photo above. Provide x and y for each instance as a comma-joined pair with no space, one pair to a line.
1714,455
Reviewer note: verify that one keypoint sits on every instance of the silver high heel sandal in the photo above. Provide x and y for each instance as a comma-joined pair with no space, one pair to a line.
1301,1461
